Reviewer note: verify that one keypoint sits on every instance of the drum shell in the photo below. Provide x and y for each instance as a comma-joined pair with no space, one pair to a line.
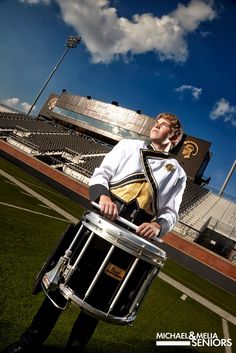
111,276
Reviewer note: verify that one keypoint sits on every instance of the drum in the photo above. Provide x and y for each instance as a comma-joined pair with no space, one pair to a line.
106,270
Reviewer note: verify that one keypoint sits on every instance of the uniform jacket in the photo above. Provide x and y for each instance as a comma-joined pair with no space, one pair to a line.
132,160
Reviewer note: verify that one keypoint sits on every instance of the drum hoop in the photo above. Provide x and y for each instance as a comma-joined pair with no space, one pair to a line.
69,294
118,243
124,239
134,238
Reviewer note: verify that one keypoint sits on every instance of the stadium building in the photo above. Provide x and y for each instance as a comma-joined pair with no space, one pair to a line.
71,136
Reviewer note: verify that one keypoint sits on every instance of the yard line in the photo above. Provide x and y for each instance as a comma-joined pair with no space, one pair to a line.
42,188
39,197
226,334
183,297
26,193
8,182
45,206
216,309
35,212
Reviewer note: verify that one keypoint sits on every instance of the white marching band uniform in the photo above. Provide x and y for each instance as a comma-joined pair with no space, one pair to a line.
133,161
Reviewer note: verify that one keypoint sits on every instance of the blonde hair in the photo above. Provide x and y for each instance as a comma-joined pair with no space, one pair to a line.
175,125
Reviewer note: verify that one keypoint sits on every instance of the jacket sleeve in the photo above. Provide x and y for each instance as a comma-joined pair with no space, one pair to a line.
168,214
99,182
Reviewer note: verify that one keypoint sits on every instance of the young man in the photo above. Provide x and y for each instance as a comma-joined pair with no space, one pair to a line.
138,181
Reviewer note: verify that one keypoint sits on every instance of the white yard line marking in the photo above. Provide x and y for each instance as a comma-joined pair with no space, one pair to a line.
41,205
216,309
9,182
226,334
26,193
35,212
40,197
183,297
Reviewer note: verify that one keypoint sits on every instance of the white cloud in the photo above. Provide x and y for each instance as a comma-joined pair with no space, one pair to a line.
17,104
12,102
26,107
108,36
34,2
224,110
190,17
195,92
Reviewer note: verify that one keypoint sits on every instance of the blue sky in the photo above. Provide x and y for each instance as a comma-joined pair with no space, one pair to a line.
175,56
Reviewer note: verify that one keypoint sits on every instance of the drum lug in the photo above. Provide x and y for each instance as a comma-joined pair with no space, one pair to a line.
53,277
66,272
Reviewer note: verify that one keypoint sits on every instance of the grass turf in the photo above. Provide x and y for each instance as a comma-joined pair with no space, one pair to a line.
196,283
46,191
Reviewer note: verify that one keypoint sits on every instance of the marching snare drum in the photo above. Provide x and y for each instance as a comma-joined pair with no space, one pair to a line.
107,269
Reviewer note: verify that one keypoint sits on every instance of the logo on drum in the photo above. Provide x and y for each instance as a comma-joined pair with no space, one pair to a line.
114,271
193,339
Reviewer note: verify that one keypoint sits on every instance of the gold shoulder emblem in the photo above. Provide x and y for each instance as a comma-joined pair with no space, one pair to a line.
170,167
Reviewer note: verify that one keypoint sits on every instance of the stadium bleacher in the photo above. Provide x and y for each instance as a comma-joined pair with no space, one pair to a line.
40,138
14,121
193,195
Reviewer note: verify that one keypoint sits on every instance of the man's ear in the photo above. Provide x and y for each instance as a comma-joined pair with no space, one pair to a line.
173,138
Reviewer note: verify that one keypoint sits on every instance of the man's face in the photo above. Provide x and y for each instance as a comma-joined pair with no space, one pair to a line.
161,131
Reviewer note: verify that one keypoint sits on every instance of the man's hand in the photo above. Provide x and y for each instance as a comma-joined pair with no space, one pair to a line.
148,230
108,208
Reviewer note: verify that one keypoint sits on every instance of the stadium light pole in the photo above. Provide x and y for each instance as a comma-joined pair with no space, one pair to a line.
227,178
72,42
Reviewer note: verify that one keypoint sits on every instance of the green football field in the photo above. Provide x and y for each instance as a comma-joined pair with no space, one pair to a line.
29,232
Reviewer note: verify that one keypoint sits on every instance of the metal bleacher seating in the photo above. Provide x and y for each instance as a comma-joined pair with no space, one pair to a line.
202,208
90,163
43,138
12,121
193,195
75,142
8,121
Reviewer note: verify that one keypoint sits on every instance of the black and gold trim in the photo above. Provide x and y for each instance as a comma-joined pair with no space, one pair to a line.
150,153
129,179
